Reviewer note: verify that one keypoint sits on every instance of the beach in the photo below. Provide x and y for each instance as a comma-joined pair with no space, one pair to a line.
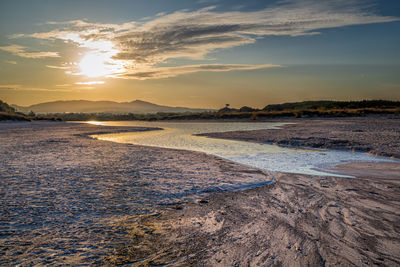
299,220
375,135
65,196
71,199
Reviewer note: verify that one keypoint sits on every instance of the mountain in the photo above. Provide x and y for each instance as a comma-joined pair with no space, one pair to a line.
85,106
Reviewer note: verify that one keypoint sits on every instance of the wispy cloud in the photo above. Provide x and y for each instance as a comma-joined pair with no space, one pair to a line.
136,49
19,87
73,87
90,83
194,34
21,52
166,72
58,67
10,62
206,1
9,86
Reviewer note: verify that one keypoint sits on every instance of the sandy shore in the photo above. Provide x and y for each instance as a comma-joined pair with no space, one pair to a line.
70,199
299,220
375,135
65,197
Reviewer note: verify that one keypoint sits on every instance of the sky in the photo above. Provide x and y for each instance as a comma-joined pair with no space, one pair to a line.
203,53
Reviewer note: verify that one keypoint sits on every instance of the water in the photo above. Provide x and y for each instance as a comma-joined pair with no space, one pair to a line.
182,135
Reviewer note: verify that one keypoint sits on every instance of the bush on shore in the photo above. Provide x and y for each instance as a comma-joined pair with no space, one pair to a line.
8,113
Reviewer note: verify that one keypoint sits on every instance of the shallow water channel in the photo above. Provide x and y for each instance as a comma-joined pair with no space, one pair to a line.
183,135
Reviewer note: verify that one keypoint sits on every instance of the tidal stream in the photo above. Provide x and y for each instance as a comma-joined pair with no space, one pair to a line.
183,135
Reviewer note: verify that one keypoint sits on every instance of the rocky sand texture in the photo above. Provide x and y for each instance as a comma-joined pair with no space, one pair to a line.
376,135
299,220
65,197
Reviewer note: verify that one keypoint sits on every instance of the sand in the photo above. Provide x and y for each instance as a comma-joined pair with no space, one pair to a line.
65,197
58,208
375,135
299,220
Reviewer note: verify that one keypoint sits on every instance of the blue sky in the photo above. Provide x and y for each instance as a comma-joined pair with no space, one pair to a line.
199,53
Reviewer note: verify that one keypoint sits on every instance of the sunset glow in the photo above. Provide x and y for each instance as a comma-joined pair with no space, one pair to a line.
274,50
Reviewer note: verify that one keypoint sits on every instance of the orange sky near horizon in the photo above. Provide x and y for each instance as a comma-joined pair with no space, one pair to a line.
194,54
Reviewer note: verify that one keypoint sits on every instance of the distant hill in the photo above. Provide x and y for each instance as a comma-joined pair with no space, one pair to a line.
85,106
325,104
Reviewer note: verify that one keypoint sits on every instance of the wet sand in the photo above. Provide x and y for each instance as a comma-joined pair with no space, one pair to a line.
58,208
375,170
375,135
65,196
299,220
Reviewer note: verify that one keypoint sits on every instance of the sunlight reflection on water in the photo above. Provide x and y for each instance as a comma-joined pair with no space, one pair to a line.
182,135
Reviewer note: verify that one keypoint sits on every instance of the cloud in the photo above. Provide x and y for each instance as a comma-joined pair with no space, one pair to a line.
166,72
18,87
206,1
73,87
9,86
20,51
10,62
90,83
194,34
136,49
59,67
61,88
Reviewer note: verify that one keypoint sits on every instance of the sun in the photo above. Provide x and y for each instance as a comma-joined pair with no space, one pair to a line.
100,60
94,65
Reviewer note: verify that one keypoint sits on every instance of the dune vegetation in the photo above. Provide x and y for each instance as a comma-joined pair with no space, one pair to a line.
286,110
303,109
8,113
